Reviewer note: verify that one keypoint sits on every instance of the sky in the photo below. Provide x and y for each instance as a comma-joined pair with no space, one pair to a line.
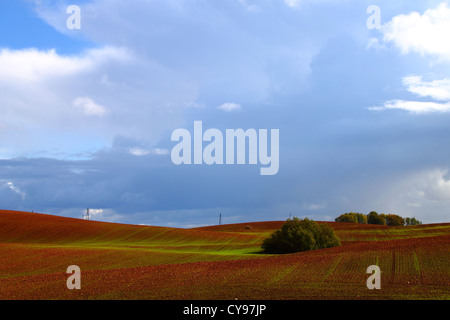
359,92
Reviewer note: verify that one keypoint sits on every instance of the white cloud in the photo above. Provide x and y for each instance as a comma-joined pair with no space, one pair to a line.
37,91
47,98
137,151
106,215
229,106
436,89
10,185
94,212
423,193
414,106
426,34
89,107
427,185
32,65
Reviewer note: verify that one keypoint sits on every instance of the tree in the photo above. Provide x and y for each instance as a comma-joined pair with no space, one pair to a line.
298,235
353,217
347,217
394,220
412,221
327,238
374,218
362,218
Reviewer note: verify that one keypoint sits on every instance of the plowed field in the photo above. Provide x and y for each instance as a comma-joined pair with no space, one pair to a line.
120,261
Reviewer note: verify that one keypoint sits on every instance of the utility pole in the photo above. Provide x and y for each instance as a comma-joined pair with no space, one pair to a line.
220,219
87,214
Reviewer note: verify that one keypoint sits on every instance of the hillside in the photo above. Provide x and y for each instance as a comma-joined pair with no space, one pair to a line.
120,261
25,227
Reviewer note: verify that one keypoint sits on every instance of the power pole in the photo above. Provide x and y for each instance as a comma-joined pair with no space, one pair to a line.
87,214
220,219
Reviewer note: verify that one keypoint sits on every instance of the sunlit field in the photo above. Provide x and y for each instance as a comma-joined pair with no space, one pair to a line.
119,261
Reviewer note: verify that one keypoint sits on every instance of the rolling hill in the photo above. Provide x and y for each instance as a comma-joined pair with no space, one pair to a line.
120,261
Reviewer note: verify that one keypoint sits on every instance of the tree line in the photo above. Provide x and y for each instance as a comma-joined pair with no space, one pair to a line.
380,219
298,235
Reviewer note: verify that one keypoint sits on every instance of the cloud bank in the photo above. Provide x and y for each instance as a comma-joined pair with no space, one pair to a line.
87,114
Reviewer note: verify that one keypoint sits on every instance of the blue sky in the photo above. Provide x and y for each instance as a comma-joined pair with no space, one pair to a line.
87,115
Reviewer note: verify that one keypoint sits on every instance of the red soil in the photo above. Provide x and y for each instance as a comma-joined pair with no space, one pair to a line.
415,267
25,227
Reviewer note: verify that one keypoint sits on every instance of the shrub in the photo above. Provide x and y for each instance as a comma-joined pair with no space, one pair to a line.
298,235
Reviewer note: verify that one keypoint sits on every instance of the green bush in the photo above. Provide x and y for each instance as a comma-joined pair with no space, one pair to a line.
298,235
